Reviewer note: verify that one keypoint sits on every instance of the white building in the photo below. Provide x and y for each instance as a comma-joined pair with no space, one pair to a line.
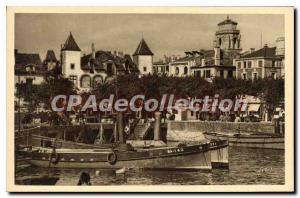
29,68
209,64
88,70
267,62
143,58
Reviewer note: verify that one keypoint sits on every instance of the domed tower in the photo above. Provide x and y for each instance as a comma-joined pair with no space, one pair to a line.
227,36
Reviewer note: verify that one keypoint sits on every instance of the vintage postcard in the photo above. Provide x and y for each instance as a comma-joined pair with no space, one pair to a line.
158,99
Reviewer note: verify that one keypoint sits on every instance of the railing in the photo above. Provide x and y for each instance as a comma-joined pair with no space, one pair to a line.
26,132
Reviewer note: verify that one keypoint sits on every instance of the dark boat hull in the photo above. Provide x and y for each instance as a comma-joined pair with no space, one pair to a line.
188,157
250,141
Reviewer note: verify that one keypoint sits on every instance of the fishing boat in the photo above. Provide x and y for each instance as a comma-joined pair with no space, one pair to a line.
146,154
180,157
250,140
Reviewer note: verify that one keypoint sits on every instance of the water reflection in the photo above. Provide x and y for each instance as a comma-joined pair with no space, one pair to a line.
247,166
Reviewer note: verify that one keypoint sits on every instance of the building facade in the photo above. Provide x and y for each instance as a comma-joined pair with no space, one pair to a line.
208,64
90,69
29,68
262,63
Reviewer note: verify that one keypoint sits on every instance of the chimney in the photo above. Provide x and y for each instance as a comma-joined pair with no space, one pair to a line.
120,54
115,53
266,45
93,51
217,55
252,50
173,58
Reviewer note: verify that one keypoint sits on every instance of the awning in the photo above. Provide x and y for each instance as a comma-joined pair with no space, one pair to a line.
253,107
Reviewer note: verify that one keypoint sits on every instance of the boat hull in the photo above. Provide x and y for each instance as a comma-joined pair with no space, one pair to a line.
250,141
219,154
188,158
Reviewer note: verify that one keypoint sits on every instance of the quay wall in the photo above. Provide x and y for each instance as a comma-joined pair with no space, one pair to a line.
192,130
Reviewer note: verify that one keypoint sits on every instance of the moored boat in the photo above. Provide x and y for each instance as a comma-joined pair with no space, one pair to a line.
168,157
250,140
146,154
219,153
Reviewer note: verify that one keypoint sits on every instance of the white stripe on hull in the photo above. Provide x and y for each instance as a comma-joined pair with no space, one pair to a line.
193,161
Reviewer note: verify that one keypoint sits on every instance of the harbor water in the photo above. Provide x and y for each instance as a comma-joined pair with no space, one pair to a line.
246,166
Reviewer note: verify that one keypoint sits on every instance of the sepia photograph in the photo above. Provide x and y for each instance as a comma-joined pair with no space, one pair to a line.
150,99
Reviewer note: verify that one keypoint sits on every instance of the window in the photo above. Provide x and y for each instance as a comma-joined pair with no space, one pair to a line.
73,78
197,73
185,70
273,63
244,76
245,64
260,63
177,71
230,74
145,69
222,73
110,70
85,81
29,81
249,64
273,75
72,66
254,76
239,65
207,73
278,63
167,68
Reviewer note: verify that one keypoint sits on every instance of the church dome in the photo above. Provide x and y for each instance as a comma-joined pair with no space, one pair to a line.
227,21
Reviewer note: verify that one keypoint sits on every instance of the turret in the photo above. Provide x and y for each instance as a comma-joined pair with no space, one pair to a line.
228,37
143,58
71,54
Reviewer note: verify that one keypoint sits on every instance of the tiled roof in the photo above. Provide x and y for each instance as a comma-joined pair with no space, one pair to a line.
70,44
25,59
265,52
185,59
227,21
50,56
87,63
121,63
143,49
130,64
160,62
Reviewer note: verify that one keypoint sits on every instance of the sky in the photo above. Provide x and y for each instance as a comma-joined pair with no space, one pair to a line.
166,34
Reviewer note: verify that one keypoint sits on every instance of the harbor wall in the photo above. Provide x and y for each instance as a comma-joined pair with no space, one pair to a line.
192,130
